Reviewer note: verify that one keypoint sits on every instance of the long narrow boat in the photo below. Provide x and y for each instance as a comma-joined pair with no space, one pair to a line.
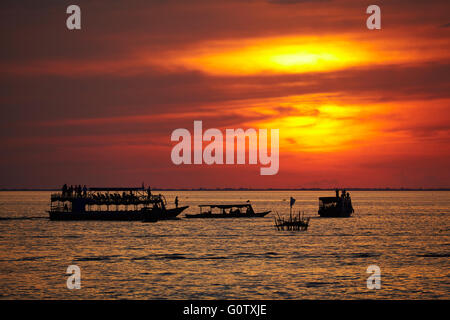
120,204
244,210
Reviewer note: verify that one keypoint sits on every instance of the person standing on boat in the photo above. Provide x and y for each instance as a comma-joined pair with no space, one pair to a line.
176,201
64,190
349,203
84,191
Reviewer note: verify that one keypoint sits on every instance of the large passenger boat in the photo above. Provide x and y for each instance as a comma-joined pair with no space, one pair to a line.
110,204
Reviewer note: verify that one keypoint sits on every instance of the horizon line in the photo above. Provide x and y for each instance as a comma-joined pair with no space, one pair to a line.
258,189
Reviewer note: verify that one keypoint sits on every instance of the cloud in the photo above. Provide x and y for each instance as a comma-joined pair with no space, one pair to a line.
56,98
90,106
112,31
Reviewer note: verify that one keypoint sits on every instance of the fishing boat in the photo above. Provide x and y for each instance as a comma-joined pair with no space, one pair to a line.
339,206
244,210
124,204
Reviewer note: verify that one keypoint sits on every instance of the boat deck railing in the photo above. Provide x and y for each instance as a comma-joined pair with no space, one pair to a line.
108,199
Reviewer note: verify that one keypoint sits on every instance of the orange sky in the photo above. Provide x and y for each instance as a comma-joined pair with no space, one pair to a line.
355,108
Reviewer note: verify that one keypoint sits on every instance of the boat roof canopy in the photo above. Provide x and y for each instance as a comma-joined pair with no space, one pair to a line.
328,199
117,189
226,206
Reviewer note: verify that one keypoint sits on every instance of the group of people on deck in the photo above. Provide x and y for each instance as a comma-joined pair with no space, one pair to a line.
344,199
125,196
79,192
74,191
344,194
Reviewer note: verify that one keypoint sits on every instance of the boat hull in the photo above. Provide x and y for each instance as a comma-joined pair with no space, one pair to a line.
335,213
96,215
133,215
168,214
226,215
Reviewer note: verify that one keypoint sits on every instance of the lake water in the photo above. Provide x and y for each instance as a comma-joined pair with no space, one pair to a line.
406,234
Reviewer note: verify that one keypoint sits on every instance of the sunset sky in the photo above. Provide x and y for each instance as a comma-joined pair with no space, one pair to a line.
355,107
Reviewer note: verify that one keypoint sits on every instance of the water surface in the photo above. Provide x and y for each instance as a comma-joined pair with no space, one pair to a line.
407,234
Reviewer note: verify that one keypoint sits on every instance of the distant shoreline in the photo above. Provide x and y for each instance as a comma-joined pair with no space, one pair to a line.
264,189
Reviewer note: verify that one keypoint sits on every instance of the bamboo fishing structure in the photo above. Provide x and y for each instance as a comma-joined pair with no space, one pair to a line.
294,223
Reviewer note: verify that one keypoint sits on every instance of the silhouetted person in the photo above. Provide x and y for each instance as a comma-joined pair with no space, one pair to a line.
176,201
84,191
337,193
64,190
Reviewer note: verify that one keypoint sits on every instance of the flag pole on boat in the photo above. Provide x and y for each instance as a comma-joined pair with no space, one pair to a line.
292,201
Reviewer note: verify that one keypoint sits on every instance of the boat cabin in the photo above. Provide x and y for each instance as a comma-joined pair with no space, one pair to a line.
234,209
338,206
106,199
326,203
241,210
